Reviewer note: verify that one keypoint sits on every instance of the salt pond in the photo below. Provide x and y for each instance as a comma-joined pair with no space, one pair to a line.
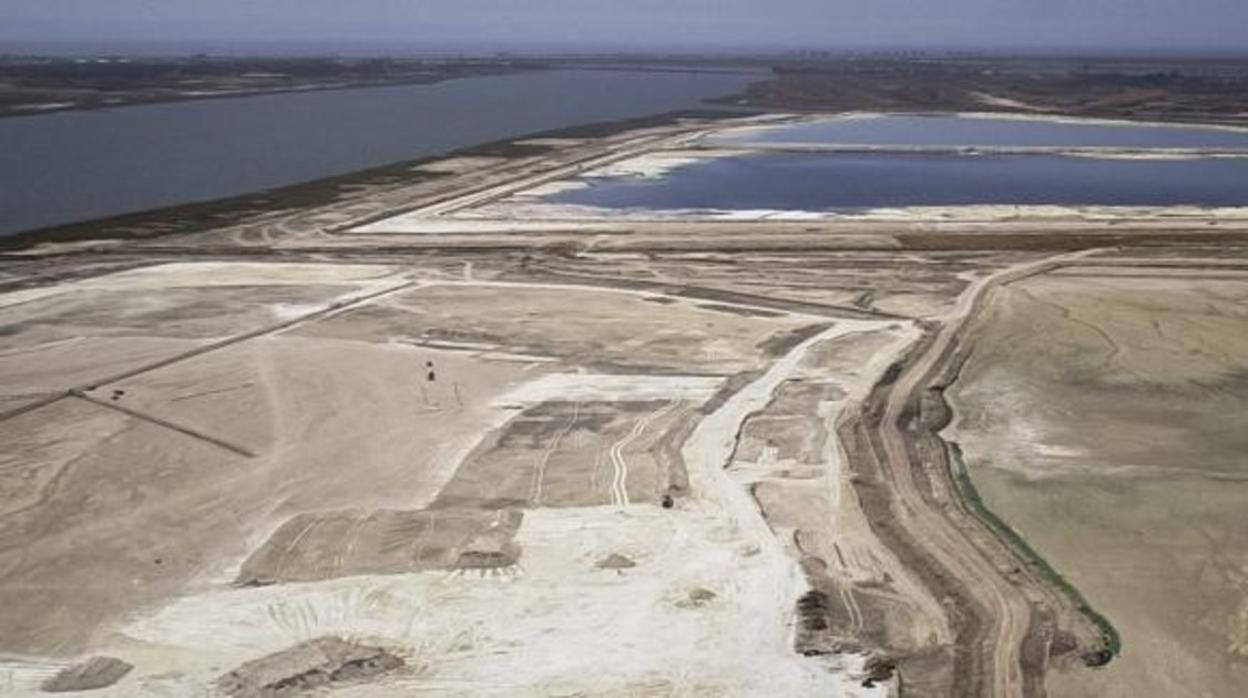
837,181
984,131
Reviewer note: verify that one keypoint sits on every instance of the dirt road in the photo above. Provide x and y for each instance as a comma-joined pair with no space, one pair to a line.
770,609
1007,612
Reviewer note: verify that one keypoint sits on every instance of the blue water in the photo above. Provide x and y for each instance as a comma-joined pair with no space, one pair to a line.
987,132
824,181
70,166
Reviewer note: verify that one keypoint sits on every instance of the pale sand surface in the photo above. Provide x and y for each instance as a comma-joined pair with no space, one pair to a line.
140,499
791,458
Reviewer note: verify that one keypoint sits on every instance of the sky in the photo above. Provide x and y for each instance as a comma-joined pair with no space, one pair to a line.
1148,25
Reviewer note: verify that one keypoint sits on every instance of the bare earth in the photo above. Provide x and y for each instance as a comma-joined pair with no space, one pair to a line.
1114,442
426,440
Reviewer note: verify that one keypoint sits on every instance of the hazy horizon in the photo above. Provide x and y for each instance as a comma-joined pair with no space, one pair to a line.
1111,26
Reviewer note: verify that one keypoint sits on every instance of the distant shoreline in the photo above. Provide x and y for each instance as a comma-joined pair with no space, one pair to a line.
175,99
467,68
66,97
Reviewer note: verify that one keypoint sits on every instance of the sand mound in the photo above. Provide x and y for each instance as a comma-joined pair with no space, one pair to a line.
96,672
306,666
615,561
328,545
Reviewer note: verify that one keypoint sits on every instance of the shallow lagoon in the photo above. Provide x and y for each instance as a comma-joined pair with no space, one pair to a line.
944,130
833,181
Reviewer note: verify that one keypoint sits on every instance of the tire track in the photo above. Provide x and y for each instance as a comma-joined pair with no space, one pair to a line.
619,482
539,474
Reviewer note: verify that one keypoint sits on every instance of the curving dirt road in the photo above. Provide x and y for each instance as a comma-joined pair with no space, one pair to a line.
1006,612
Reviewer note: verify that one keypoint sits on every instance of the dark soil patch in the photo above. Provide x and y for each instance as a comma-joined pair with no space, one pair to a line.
308,666
96,672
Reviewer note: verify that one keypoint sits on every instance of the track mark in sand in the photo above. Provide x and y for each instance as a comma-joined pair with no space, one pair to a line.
596,475
348,546
51,488
206,393
851,606
219,443
30,396
1069,316
619,481
334,307
539,475
281,561
848,599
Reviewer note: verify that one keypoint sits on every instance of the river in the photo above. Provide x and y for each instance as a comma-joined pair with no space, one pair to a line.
73,166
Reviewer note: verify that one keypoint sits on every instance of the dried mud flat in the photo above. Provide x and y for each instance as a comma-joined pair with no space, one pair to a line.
1102,415
295,457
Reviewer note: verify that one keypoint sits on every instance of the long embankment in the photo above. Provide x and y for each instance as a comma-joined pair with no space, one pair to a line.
1003,611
